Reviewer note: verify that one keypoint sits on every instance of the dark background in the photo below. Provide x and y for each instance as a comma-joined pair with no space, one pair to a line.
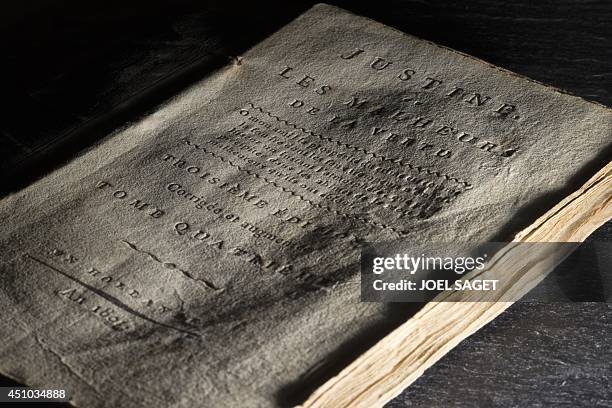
74,70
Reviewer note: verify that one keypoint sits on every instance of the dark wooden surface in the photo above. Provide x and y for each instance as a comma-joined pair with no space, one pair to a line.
70,63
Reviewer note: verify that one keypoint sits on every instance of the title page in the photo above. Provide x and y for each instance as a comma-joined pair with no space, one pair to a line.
208,254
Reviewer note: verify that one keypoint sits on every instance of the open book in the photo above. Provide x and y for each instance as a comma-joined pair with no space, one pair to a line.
208,254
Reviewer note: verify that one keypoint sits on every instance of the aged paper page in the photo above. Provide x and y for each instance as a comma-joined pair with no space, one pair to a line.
208,255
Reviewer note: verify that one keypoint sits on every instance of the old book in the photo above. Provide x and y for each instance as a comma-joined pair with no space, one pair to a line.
208,254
